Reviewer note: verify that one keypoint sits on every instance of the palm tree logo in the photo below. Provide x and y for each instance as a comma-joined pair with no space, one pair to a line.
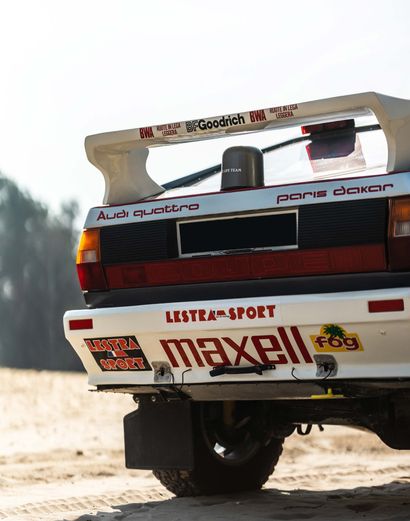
333,331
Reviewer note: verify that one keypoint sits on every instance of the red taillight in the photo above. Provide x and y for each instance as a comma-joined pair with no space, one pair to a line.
383,306
91,276
80,323
89,267
346,259
399,234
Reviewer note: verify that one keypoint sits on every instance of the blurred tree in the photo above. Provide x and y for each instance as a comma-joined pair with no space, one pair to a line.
37,281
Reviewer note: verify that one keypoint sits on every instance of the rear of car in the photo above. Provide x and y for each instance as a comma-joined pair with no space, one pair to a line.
255,296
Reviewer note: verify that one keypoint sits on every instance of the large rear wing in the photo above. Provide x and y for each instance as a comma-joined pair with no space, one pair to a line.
121,156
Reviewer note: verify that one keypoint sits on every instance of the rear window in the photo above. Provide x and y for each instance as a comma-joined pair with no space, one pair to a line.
304,161
308,159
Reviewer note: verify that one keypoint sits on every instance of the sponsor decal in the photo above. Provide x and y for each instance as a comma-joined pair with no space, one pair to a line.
118,353
211,124
171,129
221,122
283,112
146,133
211,315
143,212
333,338
337,192
280,347
257,115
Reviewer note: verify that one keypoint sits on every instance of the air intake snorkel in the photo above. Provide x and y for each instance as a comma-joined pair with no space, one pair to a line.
242,167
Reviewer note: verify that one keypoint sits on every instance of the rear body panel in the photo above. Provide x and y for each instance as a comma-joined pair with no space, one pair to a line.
286,331
277,278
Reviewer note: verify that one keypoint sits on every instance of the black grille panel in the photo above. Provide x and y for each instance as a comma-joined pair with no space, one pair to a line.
342,224
135,242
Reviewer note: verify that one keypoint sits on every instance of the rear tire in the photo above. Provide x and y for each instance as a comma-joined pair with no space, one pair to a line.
227,458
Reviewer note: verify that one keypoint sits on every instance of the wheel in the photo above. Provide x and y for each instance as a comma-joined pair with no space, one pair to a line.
232,451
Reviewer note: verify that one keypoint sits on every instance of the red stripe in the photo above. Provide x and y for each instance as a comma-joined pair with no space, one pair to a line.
323,261
301,345
285,339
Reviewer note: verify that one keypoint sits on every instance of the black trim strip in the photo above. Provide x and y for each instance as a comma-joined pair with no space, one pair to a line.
247,289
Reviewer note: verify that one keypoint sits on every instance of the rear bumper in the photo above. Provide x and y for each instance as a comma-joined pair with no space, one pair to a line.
125,345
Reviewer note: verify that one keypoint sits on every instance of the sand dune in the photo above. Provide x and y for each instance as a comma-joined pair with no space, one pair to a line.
61,457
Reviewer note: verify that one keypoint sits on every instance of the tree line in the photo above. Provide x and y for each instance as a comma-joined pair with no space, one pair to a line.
38,280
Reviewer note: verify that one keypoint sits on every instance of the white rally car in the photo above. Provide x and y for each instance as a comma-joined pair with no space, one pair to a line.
251,298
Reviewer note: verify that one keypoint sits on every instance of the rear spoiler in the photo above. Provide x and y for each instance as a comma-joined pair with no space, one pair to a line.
121,156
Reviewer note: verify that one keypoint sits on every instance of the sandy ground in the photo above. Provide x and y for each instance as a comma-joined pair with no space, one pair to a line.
61,457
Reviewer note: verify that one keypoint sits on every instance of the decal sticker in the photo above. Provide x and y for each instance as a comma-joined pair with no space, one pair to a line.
169,129
209,315
214,123
278,348
122,214
168,208
333,339
205,125
286,111
118,353
257,115
146,133
337,192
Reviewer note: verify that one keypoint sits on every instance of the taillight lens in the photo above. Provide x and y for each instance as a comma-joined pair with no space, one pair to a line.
399,233
89,267
345,259
89,247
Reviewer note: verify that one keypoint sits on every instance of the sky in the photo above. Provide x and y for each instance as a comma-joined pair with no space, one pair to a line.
74,68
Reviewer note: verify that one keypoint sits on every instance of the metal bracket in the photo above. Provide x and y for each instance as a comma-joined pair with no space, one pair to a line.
162,372
326,366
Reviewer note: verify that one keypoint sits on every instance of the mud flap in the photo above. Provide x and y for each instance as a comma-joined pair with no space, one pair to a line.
395,432
159,436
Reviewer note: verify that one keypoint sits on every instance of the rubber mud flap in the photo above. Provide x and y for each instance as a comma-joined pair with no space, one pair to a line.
159,436
395,432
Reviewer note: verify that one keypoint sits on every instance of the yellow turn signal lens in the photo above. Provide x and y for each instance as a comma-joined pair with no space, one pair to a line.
89,248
